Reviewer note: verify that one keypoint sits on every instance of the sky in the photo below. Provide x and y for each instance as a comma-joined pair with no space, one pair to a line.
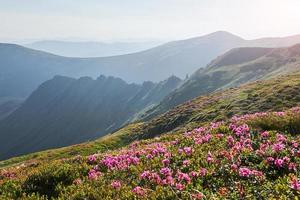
141,20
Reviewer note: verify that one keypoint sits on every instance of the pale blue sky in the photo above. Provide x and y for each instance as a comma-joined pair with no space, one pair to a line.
113,20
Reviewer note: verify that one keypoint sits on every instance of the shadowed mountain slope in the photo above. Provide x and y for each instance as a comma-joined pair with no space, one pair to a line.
65,111
268,95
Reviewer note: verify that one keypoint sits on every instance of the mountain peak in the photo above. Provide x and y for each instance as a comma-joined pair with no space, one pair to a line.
173,78
223,35
221,32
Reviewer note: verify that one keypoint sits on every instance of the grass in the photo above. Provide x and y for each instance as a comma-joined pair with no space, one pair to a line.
122,137
248,157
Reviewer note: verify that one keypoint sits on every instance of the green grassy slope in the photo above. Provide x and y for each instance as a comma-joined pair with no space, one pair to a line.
248,157
270,95
120,138
236,67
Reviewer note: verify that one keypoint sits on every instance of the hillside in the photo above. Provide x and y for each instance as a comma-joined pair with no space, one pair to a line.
65,111
231,69
247,157
23,69
269,95
8,105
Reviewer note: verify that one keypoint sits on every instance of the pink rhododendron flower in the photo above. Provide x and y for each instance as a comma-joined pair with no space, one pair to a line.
8,174
298,153
278,147
180,151
139,191
206,138
77,181
183,177
193,174
295,144
155,178
270,160
292,166
257,173
166,162
286,159
295,184
93,174
264,134
295,109
92,159
166,171
280,138
215,125
186,163
198,140
149,156
280,114
198,196
167,155
260,152
241,130
209,158
145,174
244,172
169,180
234,167
202,172
175,142
116,184
187,150
179,186
230,141
279,163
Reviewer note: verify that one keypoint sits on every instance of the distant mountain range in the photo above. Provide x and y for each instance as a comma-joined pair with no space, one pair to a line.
23,69
65,111
90,49
237,66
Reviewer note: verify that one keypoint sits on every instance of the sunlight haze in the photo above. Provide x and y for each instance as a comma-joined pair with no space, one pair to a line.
136,20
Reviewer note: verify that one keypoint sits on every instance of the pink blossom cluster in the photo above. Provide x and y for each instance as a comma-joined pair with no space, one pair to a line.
8,174
139,191
116,184
174,160
246,172
295,184
94,174
120,161
92,159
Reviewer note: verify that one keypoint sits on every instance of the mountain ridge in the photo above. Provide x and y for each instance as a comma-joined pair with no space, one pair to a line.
228,71
90,48
65,111
154,64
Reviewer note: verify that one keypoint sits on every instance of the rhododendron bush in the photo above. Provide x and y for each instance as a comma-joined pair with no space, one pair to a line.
254,156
